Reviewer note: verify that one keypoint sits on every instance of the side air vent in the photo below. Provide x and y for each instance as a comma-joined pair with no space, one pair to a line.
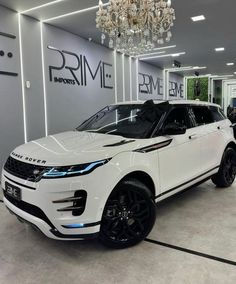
123,142
79,202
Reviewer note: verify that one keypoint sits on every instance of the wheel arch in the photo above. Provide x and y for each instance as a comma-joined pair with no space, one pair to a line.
231,145
142,177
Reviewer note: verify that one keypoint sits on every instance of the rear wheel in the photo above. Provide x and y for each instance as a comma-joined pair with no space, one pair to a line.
227,172
128,216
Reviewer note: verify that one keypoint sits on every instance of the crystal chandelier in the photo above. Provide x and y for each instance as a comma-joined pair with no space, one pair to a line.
135,26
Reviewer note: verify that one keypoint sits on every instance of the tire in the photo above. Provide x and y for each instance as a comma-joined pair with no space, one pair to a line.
227,172
129,215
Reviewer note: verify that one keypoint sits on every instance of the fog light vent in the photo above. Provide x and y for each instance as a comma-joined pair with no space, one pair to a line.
79,202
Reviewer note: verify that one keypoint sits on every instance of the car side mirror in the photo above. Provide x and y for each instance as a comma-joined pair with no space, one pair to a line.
174,129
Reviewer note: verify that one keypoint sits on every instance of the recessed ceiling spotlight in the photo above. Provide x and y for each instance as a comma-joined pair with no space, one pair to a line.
219,49
230,64
198,18
235,73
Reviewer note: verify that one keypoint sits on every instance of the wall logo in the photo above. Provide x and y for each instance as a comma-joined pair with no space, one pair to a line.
176,89
80,70
8,54
150,86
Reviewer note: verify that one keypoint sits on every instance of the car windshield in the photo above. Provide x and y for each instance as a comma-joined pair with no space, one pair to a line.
131,121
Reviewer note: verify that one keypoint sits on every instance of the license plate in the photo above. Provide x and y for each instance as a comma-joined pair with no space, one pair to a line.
13,191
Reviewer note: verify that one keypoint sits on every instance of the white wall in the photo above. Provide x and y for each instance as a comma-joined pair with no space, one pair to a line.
11,102
32,68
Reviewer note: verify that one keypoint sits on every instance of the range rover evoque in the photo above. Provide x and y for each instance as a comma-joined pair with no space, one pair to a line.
105,178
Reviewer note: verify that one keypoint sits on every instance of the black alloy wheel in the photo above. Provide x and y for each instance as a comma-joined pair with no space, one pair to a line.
227,172
128,216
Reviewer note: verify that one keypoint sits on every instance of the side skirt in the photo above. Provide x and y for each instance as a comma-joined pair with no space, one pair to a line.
183,190
190,186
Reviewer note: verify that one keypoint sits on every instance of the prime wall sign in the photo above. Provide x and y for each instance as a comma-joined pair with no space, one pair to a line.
80,70
176,89
150,85
153,86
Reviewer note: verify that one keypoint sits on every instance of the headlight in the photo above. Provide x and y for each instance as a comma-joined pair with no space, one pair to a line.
71,171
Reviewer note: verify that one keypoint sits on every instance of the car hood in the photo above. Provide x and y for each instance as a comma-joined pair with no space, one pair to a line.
74,147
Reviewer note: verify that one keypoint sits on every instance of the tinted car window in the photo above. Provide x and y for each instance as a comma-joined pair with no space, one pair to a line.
217,114
179,116
131,121
202,115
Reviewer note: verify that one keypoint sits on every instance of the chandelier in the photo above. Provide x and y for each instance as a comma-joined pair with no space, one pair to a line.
135,26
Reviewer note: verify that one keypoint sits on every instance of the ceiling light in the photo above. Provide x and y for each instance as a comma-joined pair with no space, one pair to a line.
175,55
154,53
157,49
164,47
235,73
22,78
187,68
197,67
219,49
161,56
230,64
41,6
74,13
221,77
198,18
179,69
134,27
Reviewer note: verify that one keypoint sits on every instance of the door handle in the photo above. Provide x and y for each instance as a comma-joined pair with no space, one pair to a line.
193,136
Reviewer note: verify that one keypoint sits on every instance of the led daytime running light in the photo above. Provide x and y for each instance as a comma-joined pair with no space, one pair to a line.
69,171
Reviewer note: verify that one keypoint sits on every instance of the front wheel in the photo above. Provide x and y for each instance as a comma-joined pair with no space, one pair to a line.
129,215
227,172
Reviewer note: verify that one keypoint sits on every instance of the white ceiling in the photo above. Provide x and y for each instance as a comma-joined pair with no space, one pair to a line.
198,39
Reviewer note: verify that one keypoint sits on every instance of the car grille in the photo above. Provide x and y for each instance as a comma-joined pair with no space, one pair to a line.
24,170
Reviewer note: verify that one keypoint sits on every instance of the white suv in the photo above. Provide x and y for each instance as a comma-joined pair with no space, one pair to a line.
105,178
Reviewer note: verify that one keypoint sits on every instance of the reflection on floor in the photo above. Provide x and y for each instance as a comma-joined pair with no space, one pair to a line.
202,219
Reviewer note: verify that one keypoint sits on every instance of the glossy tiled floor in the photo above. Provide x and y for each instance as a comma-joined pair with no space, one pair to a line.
202,219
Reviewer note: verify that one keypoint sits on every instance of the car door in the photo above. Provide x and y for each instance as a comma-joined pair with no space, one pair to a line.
221,125
210,136
181,160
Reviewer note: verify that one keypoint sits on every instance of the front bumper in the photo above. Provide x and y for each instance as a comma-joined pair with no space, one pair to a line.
43,227
39,197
